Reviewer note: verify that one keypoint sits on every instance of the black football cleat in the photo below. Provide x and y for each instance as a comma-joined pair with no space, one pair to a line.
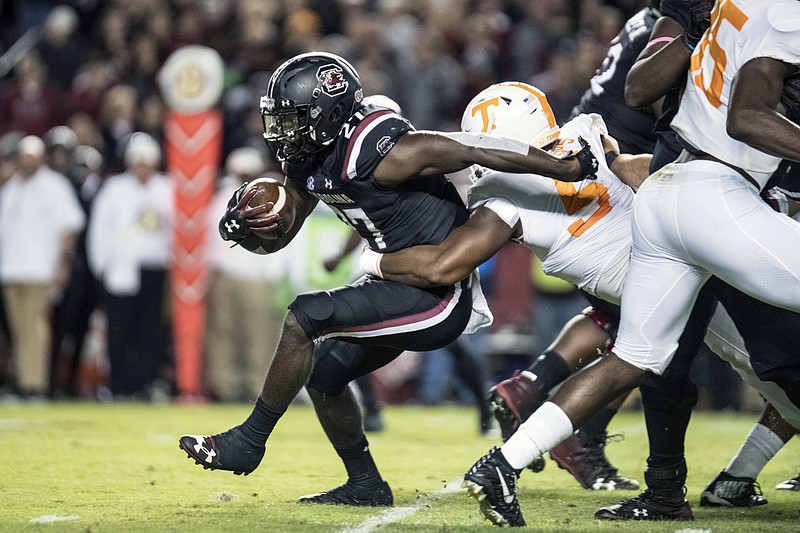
790,484
584,457
225,451
353,495
648,505
493,482
729,491
514,399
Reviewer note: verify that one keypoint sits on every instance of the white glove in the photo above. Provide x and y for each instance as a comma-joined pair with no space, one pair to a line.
370,262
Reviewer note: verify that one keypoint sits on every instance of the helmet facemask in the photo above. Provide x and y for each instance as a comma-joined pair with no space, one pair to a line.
285,128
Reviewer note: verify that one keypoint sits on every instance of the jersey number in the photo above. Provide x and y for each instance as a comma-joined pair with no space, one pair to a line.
357,219
574,200
722,11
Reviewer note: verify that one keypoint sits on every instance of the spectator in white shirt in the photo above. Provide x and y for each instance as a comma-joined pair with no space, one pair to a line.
128,245
41,217
243,320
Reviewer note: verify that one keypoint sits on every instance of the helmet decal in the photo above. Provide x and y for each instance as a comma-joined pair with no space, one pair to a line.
332,80
512,109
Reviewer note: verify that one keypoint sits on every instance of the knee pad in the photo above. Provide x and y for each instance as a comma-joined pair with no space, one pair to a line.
604,322
329,376
316,305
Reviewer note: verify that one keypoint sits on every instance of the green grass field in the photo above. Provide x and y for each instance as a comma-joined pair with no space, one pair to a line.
117,468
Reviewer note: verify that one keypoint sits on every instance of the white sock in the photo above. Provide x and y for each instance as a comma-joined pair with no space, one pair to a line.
759,447
545,428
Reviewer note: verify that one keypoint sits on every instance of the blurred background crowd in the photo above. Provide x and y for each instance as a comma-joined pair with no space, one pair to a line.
79,100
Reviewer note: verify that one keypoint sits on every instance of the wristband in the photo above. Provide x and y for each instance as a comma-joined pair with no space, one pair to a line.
610,158
370,262
660,40
686,43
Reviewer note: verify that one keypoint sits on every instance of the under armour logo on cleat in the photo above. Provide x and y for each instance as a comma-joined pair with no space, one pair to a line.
200,447
640,512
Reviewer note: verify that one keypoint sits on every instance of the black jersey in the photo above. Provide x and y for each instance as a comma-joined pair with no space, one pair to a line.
418,211
632,128
668,146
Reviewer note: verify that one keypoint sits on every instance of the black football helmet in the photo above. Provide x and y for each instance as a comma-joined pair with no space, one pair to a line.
309,98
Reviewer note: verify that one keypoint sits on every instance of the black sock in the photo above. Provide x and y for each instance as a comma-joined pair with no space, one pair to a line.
260,423
361,468
596,426
550,369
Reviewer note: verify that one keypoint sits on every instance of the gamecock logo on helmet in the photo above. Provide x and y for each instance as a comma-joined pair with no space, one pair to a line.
333,81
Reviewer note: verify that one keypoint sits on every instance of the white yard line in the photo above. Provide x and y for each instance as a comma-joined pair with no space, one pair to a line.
395,514
50,518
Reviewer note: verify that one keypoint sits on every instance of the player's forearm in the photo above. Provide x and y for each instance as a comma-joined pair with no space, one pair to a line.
427,153
632,169
536,161
422,266
767,131
304,208
661,65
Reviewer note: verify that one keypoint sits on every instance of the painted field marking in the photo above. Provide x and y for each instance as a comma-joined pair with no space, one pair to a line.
47,519
395,514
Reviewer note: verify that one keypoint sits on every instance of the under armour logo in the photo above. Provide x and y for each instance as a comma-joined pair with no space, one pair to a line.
231,225
328,184
640,512
310,183
200,447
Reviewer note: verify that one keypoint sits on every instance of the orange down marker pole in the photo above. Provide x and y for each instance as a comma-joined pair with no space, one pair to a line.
193,146
191,82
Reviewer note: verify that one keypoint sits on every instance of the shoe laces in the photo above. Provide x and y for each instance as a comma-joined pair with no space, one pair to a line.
482,461
658,497
594,453
753,489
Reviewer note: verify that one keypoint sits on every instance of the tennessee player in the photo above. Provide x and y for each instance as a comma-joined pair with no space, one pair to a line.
387,182
768,331
587,247
694,219
512,400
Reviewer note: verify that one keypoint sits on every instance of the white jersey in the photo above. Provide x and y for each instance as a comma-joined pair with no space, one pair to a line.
740,30
580,231
585,237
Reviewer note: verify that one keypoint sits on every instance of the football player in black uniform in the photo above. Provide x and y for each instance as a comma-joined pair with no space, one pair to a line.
387,182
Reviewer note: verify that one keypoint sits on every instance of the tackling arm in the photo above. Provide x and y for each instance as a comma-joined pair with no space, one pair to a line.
631,169
425,153
752,118
466,248
660,66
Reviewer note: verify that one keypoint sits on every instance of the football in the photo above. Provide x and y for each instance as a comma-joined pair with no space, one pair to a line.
272,190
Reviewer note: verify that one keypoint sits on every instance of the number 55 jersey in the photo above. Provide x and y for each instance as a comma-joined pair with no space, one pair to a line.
581,230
